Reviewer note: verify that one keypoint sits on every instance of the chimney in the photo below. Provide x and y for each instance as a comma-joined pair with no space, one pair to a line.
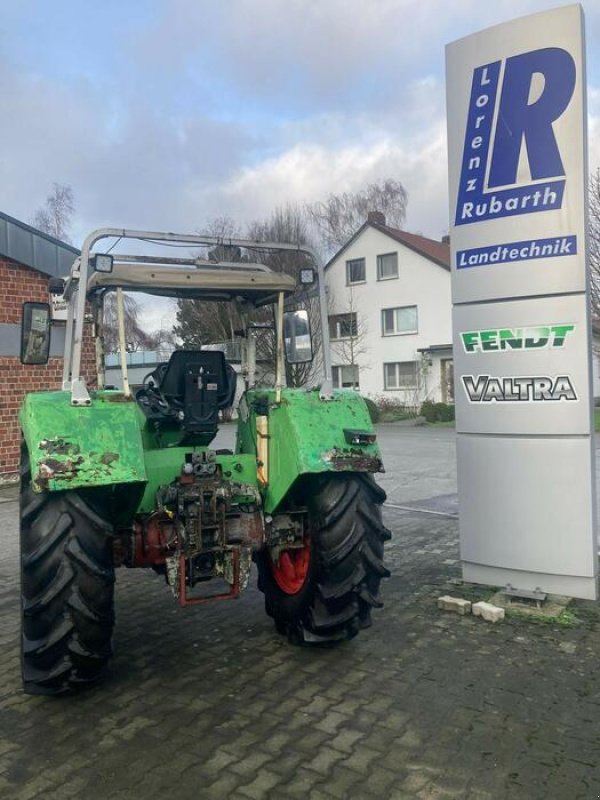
376,217
446,239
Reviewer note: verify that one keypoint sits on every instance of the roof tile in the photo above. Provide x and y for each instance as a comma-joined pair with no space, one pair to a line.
436,251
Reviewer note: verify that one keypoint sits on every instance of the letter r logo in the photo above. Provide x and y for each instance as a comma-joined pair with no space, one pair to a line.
520,121
512,110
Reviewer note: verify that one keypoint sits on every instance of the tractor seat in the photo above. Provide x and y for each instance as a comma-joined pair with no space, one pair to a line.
192,387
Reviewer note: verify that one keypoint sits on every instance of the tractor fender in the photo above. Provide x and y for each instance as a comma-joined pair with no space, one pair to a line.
72,447
307,435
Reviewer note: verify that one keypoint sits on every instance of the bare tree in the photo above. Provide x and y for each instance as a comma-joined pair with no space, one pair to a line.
223,228
54,217
163,339
289,223
136,338
339,217
347,348
200,322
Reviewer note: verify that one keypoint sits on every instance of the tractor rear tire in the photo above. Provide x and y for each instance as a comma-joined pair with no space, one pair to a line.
67,590
336,580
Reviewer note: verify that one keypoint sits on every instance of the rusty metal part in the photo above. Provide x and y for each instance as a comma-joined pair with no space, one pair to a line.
186,599
59,446
205,527
53,469
152,541
108,458
120,398
247,528
286,532
353,459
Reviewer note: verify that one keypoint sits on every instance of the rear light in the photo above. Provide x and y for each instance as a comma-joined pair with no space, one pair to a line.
359,437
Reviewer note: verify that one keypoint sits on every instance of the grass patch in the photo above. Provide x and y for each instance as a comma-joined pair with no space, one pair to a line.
471,591
587,611
566,618
597,419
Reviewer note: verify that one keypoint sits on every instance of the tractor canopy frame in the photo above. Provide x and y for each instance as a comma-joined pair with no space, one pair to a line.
180,277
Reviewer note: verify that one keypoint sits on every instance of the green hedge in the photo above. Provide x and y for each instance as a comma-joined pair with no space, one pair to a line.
373,409
437,412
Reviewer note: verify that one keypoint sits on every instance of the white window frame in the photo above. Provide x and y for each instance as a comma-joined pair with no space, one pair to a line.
336,337
380,276
395,331
337,372
364,271
397,376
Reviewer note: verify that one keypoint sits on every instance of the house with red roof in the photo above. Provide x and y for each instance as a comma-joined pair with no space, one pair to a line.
390,315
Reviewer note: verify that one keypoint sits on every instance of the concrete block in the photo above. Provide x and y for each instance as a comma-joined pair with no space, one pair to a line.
455,604
488,612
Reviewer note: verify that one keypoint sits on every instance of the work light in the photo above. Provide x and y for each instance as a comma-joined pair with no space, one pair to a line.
102,262
307,276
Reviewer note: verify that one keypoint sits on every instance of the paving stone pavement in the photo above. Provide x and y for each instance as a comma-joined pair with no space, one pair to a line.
211,703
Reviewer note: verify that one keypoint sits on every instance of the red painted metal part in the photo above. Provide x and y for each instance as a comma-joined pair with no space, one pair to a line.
291,571
153,541
186,600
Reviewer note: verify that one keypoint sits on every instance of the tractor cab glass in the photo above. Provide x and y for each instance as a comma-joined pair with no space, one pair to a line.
35,333
297,338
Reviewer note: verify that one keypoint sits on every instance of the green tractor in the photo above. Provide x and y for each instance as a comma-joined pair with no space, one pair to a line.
121,478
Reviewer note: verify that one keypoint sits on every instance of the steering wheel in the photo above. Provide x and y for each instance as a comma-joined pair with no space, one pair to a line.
156,375
151,397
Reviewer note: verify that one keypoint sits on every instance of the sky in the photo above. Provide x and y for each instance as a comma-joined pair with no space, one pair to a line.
164,114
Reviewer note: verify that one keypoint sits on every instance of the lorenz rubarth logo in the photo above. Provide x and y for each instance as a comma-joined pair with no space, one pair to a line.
518,389
513,106
529,337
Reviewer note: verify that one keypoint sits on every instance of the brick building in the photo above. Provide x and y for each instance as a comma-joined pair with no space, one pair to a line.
28,258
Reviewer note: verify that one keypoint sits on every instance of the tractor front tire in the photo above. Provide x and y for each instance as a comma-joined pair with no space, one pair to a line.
67,591
324,592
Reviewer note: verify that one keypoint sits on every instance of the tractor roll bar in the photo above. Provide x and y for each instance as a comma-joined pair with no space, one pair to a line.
191,262
72,379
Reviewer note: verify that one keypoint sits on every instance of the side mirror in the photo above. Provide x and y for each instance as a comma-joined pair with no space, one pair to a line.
296,337
35,333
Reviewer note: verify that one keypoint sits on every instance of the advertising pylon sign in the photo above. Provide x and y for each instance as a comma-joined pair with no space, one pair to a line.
517,149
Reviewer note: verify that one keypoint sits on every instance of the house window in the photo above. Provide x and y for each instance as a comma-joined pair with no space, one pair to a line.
387,266
400,375
401,320
355,271
343,326
345,377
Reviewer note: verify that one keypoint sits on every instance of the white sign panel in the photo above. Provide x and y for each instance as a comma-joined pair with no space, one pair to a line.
526,513
522,366
516,142
58,307
521,333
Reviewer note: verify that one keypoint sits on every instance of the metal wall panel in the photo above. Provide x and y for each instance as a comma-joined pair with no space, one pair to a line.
10,340
35,249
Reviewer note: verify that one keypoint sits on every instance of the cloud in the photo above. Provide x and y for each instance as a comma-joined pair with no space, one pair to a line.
309,172
195,110
594,128
264,58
